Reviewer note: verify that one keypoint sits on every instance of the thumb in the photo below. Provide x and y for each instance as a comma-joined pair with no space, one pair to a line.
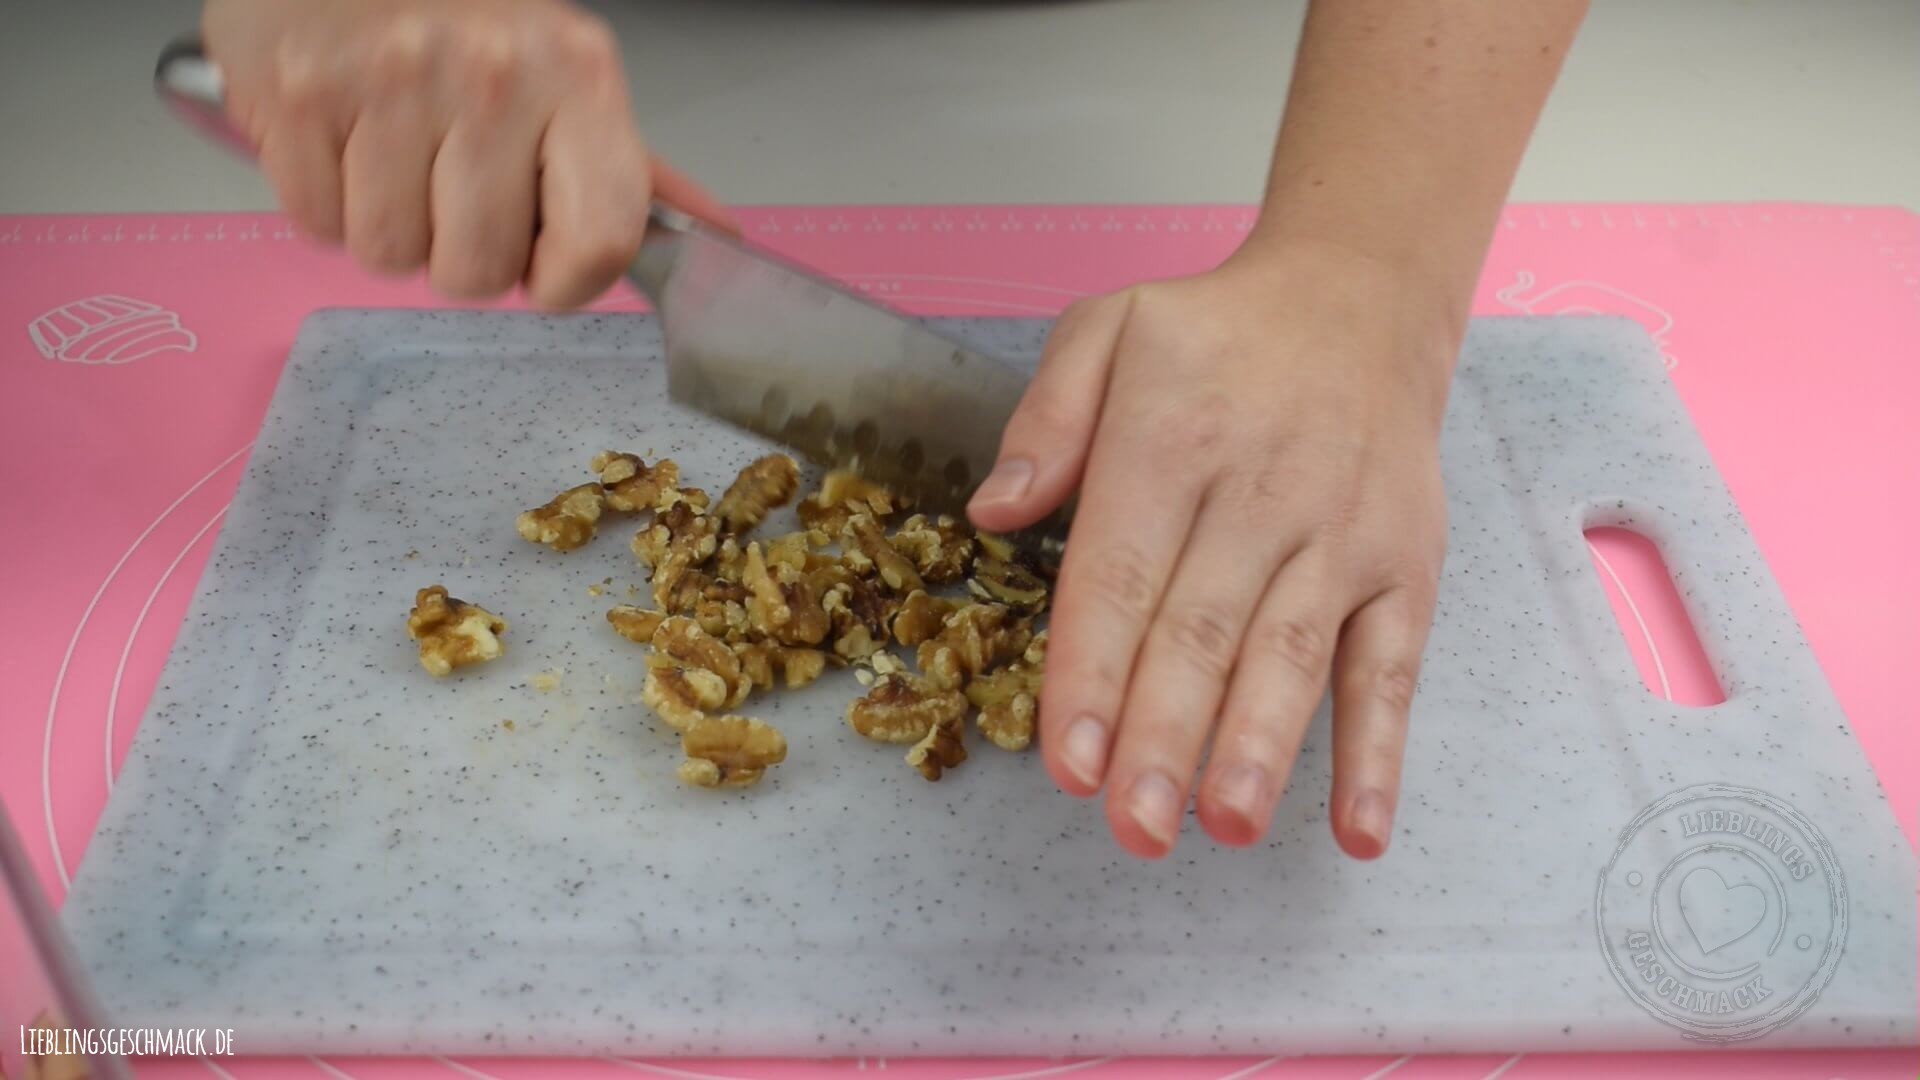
685,194
1044,448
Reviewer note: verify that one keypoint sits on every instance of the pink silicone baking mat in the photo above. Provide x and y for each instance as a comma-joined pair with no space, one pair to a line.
140,353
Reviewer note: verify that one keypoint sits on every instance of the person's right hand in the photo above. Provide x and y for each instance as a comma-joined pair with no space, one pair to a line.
490,141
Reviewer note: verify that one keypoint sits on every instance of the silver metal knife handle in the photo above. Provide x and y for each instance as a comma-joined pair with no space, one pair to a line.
191,83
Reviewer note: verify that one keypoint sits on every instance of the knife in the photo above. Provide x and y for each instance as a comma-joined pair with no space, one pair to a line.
764,345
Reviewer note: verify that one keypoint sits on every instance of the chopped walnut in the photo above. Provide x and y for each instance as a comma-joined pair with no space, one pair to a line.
761,487
1008,583
632,486
693,498
453,633
1008,698
634,623
940,548
682,640
567,522
767,601
730,560
941,748
729,751
973,639
679,695
843,494
921,616
764,661
862,534
902,708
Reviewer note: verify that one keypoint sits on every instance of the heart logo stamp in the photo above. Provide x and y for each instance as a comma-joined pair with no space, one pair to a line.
1716,913
1722,912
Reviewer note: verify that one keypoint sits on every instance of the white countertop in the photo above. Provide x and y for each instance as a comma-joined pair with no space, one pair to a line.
1093,101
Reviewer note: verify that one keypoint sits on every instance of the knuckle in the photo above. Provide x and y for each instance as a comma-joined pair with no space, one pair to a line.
300,84
1392,682
1121,582
589,44
1295,642
1204,636
386,250
403,51
470,280
490,56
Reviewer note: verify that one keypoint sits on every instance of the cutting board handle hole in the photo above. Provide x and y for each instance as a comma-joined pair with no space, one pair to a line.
1652,618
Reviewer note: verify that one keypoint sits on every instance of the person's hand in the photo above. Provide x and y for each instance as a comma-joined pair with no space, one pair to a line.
490,141
1256,452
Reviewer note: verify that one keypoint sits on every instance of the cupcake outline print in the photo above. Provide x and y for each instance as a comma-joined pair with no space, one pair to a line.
109,329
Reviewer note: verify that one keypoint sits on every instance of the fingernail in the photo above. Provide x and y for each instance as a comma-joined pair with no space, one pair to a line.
1085,749
1154,805
1372,816
1243,790
1008,481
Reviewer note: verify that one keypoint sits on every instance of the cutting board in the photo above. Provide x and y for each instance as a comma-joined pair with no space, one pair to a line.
316,845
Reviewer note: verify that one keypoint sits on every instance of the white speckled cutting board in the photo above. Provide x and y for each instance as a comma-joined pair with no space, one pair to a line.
317,845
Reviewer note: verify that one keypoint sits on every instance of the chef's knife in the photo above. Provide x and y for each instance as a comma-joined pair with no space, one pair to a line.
762,344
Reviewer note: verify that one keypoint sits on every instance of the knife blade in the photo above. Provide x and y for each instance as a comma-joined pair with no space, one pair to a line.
778,351
845,382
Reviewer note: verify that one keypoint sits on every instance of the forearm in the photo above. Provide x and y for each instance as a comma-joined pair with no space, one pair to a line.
1404,126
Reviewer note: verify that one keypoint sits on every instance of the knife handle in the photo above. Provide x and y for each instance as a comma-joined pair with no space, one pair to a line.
191,83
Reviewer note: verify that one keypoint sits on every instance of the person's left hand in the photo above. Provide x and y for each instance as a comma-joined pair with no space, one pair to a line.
1256,451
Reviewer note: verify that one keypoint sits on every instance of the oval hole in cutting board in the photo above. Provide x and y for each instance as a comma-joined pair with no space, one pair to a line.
1652,620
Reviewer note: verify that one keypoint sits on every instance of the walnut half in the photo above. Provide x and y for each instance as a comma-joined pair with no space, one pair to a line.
453,633
729,751
1009,698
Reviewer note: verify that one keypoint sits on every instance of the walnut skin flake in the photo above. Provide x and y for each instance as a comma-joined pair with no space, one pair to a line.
565,523
453,633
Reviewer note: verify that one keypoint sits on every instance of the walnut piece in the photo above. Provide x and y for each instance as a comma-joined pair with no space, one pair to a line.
781,602
860,611
1009,698
634,623
764,661
681,640
941,749
680,540
974,639
903,708
567,522
729,751
843,494
453,633
921,616
1008,583
681,696
940,548
863,536
761,487
631,486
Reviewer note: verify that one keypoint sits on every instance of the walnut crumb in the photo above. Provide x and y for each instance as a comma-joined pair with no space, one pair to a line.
547,680
453,633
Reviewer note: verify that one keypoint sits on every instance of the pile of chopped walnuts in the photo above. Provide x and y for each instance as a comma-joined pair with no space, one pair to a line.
733,615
